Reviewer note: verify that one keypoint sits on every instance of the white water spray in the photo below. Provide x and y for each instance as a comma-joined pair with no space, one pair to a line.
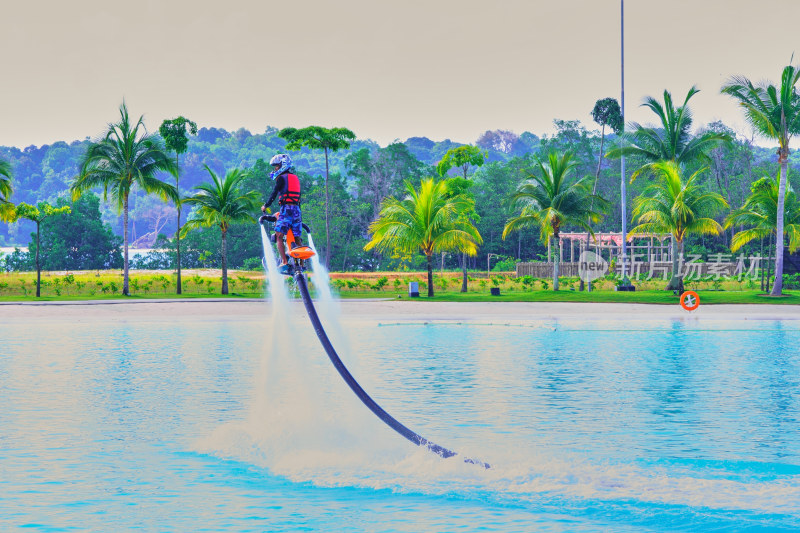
321,277
277,288
302,415
268,376
329,311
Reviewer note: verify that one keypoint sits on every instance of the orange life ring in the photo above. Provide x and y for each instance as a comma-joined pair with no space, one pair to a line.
690,300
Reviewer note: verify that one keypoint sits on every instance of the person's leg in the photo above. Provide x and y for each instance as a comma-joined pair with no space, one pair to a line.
281,247
281,227
297,225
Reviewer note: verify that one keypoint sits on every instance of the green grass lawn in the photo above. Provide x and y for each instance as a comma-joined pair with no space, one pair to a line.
119,296
107,285
644,297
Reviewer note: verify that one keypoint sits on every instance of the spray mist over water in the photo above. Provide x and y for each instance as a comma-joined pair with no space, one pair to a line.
329,311
303,419
306,425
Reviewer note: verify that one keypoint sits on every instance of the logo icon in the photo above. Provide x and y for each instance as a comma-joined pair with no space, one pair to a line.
591,266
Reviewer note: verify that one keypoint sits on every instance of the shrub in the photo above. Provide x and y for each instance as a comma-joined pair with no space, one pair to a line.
252,263
68,280
791,281
505,264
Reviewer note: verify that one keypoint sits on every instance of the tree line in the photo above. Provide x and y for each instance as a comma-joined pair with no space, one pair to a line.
503,183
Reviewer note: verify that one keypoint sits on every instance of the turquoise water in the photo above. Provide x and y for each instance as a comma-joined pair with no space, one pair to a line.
217,424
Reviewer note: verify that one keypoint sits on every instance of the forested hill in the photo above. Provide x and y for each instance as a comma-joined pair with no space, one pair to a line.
44,173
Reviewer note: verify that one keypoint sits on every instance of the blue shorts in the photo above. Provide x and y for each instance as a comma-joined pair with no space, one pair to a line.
290,217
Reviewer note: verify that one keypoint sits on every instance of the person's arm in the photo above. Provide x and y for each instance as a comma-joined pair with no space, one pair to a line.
278,186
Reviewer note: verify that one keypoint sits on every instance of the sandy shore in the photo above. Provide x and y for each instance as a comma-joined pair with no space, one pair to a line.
392,310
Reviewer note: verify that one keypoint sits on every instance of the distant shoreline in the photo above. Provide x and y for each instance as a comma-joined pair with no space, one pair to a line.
377,310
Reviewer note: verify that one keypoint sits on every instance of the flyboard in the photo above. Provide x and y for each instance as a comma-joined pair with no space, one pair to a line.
299,256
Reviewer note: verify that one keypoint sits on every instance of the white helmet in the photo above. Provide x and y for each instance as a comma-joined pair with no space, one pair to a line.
280,159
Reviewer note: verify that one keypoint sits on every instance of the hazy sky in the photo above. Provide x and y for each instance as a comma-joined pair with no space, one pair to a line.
386,70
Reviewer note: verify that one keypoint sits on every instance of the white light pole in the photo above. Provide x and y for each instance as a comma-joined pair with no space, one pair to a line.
622,160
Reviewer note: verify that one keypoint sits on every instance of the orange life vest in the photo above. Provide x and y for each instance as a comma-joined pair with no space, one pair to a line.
291,190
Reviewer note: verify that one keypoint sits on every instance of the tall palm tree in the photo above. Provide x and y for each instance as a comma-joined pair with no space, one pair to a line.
126,157
551,201
774,112
428,219
221,203
673,140
760,215
6,207
670,205
174,132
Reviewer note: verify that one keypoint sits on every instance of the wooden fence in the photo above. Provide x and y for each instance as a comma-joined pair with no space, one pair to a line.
638,270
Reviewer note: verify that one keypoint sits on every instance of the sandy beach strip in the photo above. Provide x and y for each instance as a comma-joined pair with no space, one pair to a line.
392,310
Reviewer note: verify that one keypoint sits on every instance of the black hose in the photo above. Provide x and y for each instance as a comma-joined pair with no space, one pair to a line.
361,393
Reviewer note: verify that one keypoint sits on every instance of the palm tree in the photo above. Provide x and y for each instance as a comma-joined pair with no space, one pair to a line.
673,140
430,220
221,203
774,112
548,200
6,208
174,132
125,158
670,205
760,214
